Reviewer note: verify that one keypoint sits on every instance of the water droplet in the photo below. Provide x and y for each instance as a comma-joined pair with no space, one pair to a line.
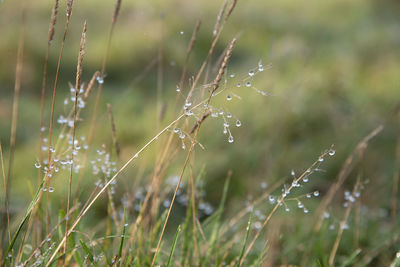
251,73
176,130
230,139
300,205
100,80
260,68
316,193
271,199
232,75
321,159
126,225
188,104
305,179
228,97
51,189
181,32
293,173
287,209
226,124
228,115
238,85
331,152
308,195
37,165
183,146
181,135
238,123
178,89
305,210
248,84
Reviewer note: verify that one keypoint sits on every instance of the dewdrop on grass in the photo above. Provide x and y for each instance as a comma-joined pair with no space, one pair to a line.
238,123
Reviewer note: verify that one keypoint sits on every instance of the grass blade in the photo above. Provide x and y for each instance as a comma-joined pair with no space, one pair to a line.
245,239
173,246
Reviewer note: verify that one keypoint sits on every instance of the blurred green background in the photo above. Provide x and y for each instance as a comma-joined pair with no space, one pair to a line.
334,78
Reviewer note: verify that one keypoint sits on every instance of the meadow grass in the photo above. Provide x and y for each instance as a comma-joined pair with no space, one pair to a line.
153,199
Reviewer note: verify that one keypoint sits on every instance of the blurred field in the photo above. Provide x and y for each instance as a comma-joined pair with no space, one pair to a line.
331,74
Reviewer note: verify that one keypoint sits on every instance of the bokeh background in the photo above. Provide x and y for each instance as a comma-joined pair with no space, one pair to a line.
333,78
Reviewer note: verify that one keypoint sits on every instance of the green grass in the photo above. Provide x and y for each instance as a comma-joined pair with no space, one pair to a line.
333,79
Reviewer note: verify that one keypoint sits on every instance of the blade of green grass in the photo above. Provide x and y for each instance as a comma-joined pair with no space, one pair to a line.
173,246
87,251
239,263
121,245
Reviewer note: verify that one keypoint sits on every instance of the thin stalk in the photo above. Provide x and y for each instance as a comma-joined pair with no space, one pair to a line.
77,88
14,119
68,13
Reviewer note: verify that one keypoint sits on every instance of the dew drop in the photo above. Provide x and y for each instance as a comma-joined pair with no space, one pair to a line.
308,195
331,152
238,123
230,139
228,115
228,97
248,84
316,193
271,199
305,179
293,173
300,205
178,89
176,130
251,73
51,189
226,124
37,165
238,85
181,32
260,68
181,135
232,75
100,80
321,159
